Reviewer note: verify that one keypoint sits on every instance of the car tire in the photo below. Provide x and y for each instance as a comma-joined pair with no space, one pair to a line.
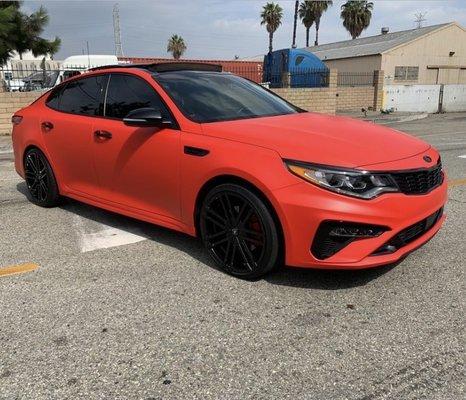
239,231
40,179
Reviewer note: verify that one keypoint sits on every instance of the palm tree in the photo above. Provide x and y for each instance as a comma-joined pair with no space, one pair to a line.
318,8
46,47
176,46
29,27
307,17
295,23
272,18
7,13
356,16
27,30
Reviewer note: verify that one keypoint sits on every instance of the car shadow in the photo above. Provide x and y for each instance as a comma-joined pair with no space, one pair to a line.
284,275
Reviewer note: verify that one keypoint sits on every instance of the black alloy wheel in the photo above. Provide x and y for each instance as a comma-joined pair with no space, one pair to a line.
40,179
239,231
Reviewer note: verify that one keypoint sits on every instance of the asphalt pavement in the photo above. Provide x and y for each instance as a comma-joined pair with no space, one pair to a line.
114,308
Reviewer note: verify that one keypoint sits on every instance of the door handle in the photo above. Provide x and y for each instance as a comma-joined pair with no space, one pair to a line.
195,151
47,126
103,134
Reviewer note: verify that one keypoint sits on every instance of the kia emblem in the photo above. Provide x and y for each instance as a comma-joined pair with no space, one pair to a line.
427,159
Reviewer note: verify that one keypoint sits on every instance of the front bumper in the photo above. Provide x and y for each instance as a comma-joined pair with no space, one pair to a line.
302,208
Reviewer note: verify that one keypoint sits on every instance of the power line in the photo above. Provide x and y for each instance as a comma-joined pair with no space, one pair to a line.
117,31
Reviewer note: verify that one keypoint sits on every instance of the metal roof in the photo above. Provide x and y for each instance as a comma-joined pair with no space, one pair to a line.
370,45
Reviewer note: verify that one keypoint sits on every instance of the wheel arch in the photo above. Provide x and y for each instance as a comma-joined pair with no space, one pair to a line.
31,146
233,179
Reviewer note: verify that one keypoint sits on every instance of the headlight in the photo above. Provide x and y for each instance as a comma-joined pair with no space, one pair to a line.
362,184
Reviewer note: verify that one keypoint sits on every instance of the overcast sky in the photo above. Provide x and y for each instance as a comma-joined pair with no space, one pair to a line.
214,28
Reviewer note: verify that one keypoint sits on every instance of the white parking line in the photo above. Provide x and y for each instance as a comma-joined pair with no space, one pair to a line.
450,143
104,238
443,133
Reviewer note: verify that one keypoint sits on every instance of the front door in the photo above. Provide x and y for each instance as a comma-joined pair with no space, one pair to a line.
136,167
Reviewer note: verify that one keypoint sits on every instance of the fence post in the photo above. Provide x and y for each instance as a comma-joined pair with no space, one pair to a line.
332,90
286,80
440,99
378,89
333,78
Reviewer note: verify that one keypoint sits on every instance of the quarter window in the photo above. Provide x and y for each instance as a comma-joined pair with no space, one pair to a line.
127,93
53,100
84,96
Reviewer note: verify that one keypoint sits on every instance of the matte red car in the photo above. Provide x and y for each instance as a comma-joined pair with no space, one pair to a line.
262,182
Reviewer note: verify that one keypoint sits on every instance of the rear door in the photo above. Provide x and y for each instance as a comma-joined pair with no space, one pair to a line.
137,167
67,131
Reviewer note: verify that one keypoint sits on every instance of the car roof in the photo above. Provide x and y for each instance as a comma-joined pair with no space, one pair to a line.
154,68
166,67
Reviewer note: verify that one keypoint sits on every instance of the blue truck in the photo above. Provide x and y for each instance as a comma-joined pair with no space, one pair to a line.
294,68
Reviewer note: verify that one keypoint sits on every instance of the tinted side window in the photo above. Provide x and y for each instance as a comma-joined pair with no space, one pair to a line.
126,93
54,98
298,60
84,96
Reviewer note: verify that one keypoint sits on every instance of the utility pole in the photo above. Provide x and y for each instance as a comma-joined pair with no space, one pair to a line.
88,57
116,31
420,19
296,4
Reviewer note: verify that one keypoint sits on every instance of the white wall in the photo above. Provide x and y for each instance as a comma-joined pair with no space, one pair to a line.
424,98
411,98
454,98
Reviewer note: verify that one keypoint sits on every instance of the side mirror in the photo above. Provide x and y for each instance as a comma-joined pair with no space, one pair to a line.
147,116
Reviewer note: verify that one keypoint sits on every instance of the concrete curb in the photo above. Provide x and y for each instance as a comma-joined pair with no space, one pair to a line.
392,120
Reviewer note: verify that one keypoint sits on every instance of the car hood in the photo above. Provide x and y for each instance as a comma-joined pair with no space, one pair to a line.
321,139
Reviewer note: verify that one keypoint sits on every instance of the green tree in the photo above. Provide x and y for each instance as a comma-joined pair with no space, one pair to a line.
7,27
306,15
23,31
176,46
356,16
318,8
295,23
272,18
43,47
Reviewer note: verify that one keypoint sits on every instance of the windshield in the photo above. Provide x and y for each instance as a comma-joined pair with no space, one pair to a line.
209,97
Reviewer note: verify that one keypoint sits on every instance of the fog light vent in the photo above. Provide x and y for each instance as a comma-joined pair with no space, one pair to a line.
355,231
332,236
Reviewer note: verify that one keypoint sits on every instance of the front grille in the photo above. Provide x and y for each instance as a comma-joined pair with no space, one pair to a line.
420,181
409,234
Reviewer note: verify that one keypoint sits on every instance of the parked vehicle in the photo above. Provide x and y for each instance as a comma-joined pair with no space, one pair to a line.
213,155
40,80
76,65
10,83
294,68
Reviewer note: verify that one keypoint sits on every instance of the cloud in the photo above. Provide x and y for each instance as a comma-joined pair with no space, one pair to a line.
214,28
237,25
